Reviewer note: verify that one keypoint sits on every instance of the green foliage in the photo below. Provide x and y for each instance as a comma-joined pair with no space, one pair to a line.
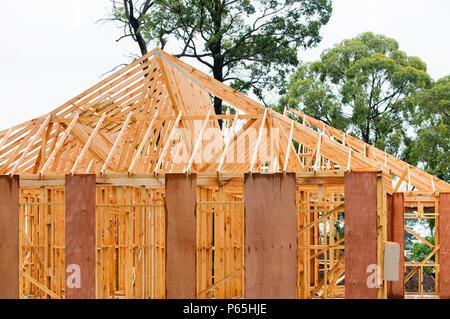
430,149
339,230
411,223
409,238
317,97
252,44
420,251
365,86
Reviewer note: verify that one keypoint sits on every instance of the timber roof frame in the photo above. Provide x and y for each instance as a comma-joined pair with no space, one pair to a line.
139,119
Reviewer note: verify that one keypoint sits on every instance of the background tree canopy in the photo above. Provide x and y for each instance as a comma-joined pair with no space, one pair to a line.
252,44
365,86
430,149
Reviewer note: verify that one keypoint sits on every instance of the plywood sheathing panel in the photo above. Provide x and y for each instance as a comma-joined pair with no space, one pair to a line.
9,237
444,242
270,236
180,199
80,234
360,233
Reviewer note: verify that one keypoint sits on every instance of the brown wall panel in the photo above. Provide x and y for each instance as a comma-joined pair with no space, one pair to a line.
360,233
180,199
80,236
270,236
396,234
9,237
444,245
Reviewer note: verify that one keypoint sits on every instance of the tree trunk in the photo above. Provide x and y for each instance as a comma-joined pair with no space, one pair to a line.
135,24
218,75
218,59
218,107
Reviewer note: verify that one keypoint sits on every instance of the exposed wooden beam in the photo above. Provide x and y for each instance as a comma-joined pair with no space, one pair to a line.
198,142
288,148
5,138
258,140
61,141
167,144
33,139
116,142
228,142
88,143
144,140
402,177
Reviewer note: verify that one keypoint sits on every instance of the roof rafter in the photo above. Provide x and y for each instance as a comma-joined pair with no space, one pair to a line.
143,119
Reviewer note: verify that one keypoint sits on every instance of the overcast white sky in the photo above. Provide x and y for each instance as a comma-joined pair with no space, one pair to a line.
51,50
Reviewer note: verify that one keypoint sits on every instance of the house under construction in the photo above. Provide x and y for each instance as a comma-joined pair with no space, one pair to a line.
132,189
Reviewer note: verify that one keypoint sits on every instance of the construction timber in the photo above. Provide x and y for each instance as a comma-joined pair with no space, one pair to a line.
132,189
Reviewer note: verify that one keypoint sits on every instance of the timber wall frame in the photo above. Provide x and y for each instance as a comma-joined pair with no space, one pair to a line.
215,209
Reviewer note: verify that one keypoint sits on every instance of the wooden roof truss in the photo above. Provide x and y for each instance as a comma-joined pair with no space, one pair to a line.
145,118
